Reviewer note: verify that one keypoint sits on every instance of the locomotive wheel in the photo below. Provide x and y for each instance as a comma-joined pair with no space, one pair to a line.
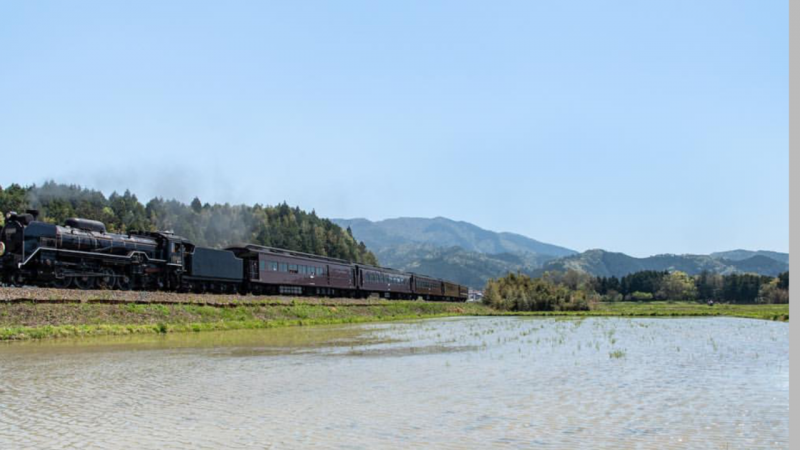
84,282
106,279
62,283
124,282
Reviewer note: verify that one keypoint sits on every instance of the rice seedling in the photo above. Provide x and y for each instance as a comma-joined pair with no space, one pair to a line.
616,354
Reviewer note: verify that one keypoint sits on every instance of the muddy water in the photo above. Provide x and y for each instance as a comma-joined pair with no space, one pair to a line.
460,383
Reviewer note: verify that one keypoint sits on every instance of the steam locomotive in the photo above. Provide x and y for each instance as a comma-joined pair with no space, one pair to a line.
82,254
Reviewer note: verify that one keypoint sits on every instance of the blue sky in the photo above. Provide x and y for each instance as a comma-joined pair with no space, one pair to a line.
642,127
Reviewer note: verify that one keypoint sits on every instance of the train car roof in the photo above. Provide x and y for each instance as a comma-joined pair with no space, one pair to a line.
384,269
282,252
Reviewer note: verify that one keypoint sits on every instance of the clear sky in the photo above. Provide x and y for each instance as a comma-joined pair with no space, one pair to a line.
637,126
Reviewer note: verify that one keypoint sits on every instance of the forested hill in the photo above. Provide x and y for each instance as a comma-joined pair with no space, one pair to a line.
468,254
740,255
444,233
204,224
454,250
610,264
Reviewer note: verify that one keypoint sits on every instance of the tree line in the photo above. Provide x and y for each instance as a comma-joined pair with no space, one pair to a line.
217,225
573,290
676,285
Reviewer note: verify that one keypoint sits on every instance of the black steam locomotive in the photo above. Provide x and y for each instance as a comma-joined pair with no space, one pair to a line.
83,255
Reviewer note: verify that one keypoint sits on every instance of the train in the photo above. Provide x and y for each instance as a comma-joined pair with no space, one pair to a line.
83,254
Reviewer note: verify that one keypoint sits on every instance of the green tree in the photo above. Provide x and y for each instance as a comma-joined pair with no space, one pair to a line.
518,292
677,286
772,293
197,207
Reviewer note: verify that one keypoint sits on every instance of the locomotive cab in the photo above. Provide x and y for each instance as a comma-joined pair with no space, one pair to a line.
15,234
19,229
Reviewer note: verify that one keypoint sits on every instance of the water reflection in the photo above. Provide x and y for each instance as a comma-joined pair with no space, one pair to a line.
454,383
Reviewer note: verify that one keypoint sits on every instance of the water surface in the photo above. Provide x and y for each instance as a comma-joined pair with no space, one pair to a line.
603,383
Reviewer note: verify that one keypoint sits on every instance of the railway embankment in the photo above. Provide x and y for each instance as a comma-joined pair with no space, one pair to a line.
36,313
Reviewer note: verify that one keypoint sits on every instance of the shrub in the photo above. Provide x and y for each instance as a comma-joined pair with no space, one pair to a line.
641,296
517,292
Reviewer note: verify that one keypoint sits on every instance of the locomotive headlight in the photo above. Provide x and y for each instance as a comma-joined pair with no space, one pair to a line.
2,248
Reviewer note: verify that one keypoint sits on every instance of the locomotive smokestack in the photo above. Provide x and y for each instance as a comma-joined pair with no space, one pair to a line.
34,213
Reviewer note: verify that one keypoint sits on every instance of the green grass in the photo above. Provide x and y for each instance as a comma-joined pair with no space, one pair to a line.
32,320
683,309
670,309
43,320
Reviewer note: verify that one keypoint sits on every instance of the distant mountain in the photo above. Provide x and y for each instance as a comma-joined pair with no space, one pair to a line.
760,264
603,263
445,248
739,255
468,254
456,264
445,233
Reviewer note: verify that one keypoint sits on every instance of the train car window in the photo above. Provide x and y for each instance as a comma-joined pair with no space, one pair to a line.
273,266
284,267
293,268
320,270
263,265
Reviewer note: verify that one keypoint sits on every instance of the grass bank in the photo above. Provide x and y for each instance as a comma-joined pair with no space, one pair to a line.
48,319
676,309
36,320
683,309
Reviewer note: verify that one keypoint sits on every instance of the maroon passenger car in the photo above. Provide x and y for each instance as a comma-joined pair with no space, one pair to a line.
450,291
387,283
428,288
276,271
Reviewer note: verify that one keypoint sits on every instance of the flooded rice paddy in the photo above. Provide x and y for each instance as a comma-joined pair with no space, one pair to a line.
601,383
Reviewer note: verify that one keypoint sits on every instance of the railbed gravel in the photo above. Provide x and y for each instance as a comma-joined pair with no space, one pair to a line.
50,295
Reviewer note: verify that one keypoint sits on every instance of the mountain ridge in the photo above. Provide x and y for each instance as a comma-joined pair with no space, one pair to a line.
445,232
471,255
600,262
